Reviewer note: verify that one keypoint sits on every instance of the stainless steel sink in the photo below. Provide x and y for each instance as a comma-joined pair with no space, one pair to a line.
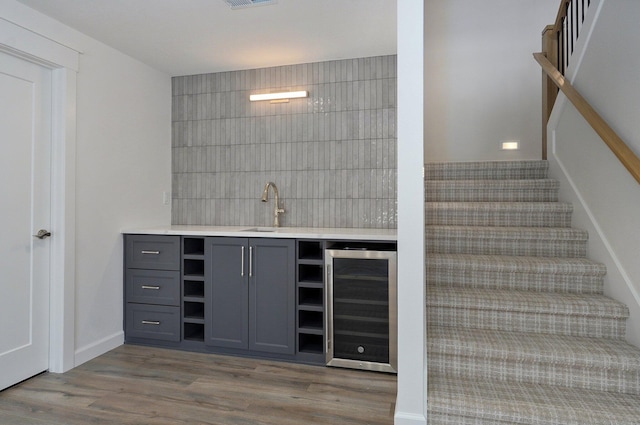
260,229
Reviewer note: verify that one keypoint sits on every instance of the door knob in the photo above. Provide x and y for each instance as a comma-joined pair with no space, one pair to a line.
42,234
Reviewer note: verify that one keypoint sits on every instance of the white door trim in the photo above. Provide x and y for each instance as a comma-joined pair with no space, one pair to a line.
18,41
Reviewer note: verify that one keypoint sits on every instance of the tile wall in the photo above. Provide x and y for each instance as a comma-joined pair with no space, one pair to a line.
332,155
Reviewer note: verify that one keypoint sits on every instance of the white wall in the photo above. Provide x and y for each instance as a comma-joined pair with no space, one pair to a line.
605,196
122,167
483,84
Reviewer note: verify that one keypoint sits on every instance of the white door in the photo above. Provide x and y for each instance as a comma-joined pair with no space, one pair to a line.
25,203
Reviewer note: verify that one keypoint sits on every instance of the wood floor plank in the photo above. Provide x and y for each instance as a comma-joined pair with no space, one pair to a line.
9,419
150,386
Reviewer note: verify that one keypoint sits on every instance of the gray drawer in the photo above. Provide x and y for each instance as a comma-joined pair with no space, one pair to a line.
157,322
157,252
153,286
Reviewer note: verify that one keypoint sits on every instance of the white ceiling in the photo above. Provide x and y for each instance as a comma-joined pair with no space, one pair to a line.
184,37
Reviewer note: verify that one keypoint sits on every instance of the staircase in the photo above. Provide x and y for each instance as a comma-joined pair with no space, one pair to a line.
518,329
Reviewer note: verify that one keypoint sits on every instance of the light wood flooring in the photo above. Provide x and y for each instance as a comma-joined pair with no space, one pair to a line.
142,385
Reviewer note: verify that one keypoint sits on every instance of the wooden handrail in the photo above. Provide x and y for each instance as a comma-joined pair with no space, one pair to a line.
620,149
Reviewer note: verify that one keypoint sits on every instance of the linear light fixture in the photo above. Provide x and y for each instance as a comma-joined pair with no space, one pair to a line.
279,97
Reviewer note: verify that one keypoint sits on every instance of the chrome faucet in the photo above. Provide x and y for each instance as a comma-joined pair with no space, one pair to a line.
277,210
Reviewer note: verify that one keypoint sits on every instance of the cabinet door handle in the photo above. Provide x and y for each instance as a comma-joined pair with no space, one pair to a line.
150,322
242,262
150,252
150,287
328,301
250,261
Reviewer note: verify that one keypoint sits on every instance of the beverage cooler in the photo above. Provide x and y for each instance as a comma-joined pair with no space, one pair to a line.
361,304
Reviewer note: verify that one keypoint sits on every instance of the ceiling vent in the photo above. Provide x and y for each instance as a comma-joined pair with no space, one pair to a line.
238,4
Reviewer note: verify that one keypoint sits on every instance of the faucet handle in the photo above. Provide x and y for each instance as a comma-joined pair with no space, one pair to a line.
276,217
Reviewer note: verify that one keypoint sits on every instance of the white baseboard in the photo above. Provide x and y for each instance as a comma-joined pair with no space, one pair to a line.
401,418
98,348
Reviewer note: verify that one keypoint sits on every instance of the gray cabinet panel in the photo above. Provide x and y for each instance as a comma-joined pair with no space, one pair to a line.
153,286
158,252
272,296
156,322
226,292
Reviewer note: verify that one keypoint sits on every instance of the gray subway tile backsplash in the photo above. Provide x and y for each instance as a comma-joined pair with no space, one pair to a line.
332,155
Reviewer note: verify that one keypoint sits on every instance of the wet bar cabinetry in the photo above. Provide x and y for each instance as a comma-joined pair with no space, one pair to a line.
211,294
248,296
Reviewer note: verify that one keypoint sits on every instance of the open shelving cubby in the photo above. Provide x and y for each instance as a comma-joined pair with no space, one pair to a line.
310,332
192,292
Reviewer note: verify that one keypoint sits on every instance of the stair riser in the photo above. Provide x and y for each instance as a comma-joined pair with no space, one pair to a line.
516,247
480,174
435,418
454,401
452,217
537,282
480,194
477,368
487,171
513,321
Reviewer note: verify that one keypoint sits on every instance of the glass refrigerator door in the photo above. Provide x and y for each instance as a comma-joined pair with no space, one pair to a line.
361,309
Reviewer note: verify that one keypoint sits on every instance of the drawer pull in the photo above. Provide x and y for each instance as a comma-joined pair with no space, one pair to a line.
155,288
150,252
150,322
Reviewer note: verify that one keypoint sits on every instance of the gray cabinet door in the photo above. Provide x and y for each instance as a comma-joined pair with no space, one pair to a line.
272,296
226,292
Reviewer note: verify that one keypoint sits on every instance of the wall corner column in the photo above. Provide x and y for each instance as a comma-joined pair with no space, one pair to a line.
412,373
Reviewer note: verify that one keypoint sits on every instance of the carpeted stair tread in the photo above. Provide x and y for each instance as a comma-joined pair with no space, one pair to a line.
525,301
518,264
535,169
541,190
588,315
513,214
523,241
518,233
606,365
470,401
518,347
549,274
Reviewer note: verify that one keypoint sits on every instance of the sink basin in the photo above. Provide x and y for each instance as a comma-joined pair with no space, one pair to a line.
261,229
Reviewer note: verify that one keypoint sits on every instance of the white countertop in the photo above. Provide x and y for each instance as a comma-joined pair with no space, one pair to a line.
272,232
